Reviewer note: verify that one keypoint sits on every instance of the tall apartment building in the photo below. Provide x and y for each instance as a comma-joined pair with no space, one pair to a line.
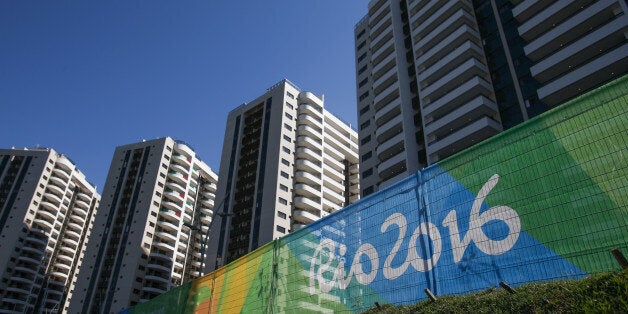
148,234
286,162
435,77
47,210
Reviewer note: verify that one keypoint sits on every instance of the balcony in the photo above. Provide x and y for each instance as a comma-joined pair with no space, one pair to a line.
333,196
206,218
307,109
310,98
308,154
43,224
456,15
181,159
63,175
304,216
331,207
305,177
306,165
466,92
58,191
311,143
309,131
391,146
468,50
57,181
210,186
179,168
529,8
390,93
47,214
389,129
168,247
392,165
331,152
171,205
306,190
480,106
467,136
333,174
456,38
177,177
334,185
302,202
70,241
170,215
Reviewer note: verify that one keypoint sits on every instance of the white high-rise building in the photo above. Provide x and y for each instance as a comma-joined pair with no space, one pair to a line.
436,77
286,162
47,210
151,227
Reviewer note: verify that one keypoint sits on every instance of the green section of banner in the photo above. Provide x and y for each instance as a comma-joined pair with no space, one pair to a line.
560,172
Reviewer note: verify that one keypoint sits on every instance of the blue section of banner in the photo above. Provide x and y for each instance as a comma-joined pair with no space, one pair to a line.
444,245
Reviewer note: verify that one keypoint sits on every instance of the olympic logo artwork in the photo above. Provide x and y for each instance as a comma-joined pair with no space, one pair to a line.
322,264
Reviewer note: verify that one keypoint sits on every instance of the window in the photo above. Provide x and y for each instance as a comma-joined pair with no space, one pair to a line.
366,157
365,124
290,95
362,44
368,191
287,126
287,138
281,229
285,175
363,96
283,187
164,166
364,81
285,162
365,140
362,69
361,34
283,201
286,150
163,175
166,156
168,148
281,215
364,110
289,105
362,57
158,194
289,116
367,173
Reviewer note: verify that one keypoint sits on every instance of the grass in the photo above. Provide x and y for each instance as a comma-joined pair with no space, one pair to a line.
605,293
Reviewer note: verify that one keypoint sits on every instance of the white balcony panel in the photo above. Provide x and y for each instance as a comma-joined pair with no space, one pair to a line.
470,111
467,136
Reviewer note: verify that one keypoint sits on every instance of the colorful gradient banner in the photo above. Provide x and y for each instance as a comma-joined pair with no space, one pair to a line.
542,201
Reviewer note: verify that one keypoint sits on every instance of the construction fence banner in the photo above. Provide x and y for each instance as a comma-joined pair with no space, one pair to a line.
545,200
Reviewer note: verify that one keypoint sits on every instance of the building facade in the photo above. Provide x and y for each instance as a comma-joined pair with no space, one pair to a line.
436,77
47,210
150,231
286,162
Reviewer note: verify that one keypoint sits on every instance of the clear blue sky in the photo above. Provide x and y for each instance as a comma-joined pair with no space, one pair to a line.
83,77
